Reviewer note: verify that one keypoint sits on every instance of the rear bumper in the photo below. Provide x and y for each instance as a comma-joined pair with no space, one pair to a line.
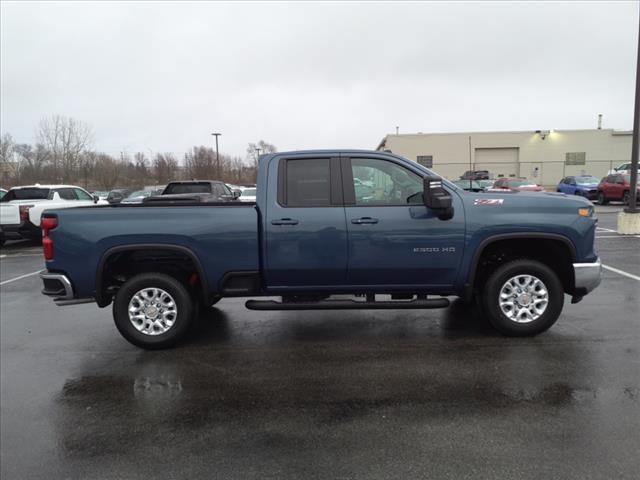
587,276
26,229
58,286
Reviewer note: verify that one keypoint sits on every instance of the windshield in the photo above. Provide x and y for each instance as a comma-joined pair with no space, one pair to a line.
520,183
468,184
140,193
174,188
26,194
586,180
249,192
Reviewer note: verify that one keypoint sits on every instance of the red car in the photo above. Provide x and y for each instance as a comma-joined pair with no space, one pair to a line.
519,184
616,187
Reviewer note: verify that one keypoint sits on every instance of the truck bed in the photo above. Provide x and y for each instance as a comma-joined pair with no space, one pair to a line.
223,237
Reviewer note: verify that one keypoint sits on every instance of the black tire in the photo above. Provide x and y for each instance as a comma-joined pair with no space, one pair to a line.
626,198
602,200
500,276
184,306
2,240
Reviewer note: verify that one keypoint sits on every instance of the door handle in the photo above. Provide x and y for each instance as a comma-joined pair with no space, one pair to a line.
284,221
364,221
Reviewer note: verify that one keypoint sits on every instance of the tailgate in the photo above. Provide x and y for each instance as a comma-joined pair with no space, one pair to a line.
9,214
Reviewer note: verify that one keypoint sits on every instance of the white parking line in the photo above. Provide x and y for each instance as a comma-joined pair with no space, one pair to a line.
621,272
618,236
606,230
19,278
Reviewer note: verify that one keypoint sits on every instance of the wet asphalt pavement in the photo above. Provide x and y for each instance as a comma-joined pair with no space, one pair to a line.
367,395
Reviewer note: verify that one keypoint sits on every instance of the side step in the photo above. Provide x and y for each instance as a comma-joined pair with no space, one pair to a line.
346,305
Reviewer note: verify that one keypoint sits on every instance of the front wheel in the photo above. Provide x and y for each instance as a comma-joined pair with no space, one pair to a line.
626,198
153,310
522,298
602,200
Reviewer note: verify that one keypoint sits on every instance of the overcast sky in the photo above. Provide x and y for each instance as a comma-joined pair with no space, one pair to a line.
162,76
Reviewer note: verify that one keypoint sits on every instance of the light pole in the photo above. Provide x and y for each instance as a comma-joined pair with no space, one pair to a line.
257,154
629,218
632,208
217,156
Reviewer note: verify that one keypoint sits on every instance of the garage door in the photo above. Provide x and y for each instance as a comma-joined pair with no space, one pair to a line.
501,162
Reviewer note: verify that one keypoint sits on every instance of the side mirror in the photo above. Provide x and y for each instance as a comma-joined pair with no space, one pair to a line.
236,194
96,199
437,198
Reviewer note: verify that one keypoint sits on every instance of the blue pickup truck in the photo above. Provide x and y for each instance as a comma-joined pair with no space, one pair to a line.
380,231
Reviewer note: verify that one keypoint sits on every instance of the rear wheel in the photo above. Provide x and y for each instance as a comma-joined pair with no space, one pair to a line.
522,298
153,310
602,200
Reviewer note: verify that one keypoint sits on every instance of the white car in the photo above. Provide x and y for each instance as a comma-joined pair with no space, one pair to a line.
623,168
248,194
21,207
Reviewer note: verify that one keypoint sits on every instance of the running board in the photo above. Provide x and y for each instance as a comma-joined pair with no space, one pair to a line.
346,305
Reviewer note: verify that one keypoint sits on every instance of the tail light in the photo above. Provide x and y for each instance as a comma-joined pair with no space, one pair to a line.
24,212
47,224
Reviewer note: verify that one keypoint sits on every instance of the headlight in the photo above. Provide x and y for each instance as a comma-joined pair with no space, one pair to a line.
585,211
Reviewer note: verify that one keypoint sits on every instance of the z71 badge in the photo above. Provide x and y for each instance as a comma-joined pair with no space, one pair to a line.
488,201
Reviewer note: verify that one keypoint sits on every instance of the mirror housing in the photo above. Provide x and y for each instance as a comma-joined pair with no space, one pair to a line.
236,194
96,199
437,198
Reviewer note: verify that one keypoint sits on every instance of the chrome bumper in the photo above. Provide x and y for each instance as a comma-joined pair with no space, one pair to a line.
587,276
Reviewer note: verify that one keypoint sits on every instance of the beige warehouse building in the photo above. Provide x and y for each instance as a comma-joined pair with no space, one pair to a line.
544,156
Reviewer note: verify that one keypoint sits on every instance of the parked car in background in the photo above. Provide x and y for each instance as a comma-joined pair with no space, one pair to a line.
234,188
139,195
616,187
622,168
486,184
21,207
475,175
2,192
197,186
102,195
470,185
517,184
583,185
117,195
248,195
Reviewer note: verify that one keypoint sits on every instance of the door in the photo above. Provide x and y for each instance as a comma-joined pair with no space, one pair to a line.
393,238
306,236
499,161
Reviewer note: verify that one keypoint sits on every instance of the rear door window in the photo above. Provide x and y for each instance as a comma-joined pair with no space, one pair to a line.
26,194
308,183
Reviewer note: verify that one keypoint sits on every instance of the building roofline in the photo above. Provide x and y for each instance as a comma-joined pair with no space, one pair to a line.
494,132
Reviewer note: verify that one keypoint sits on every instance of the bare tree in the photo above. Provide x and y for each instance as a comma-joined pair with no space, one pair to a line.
7,165
66,139
260,148
199,163
165,168
107,171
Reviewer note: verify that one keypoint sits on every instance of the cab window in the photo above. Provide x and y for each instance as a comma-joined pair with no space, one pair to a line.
381,182
82,195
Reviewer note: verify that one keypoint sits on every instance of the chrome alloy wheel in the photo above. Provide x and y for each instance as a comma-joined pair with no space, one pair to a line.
152,311
523,298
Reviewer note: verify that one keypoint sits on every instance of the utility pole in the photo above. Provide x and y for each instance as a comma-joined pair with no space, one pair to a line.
629,219
217,156
633,206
